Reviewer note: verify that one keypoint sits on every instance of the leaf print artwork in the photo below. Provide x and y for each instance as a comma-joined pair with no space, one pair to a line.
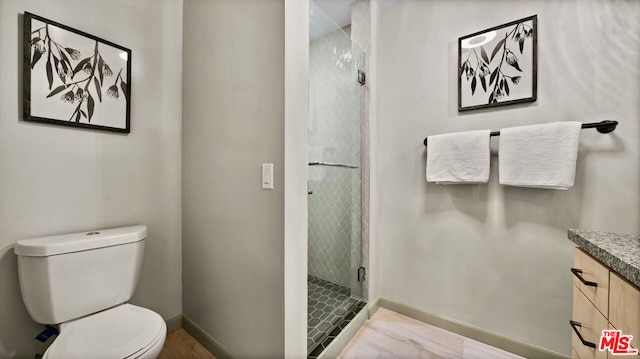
68,71
503,60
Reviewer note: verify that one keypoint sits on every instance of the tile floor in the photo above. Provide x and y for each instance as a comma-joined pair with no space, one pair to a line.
328,304
391,335
315,352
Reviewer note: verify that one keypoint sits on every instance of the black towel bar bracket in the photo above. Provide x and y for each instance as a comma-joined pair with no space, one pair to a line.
602,127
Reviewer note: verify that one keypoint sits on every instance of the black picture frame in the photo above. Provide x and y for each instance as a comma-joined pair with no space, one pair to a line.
72,78
507,73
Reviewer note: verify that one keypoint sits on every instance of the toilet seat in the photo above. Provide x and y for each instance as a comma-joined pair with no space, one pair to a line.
125,331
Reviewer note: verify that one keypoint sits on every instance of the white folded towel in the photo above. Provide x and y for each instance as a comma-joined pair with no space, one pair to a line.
458,158
539,156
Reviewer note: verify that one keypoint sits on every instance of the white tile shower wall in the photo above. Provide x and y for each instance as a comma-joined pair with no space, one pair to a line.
334,136
361,24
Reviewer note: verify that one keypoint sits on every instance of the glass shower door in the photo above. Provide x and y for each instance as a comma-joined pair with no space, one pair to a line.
335,178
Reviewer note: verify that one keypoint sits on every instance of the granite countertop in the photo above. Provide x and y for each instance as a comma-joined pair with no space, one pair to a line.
620,252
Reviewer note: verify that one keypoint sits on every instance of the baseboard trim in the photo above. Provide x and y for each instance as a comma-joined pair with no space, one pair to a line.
497,340
204,338
174,323
374,306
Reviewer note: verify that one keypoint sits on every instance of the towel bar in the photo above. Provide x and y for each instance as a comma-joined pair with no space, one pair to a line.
331,164
602,127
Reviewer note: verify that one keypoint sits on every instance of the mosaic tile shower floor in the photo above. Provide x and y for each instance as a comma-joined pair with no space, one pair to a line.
328,305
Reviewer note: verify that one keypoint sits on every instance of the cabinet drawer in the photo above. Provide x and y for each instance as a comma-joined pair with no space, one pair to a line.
591,322
624,311
592,271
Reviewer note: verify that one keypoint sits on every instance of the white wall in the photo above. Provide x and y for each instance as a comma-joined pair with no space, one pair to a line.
58,180
372,285
296,107
492,256
233,120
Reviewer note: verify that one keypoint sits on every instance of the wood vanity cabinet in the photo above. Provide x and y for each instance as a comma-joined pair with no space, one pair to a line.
601,300
624,307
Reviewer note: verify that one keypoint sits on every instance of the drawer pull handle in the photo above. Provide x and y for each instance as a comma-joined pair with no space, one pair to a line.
577,273
575,324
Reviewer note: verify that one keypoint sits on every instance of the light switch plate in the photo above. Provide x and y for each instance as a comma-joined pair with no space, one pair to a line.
267,175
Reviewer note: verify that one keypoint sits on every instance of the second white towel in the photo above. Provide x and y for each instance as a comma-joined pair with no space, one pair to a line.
459,158
539,156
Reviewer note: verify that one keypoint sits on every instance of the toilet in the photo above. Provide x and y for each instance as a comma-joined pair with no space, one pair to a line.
81,282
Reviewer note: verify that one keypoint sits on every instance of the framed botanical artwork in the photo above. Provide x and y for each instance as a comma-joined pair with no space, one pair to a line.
498,66
75,79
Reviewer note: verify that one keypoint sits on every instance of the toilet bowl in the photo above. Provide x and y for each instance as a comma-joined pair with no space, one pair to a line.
82,282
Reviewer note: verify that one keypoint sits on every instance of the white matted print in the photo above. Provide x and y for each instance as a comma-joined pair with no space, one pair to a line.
74,79
498,66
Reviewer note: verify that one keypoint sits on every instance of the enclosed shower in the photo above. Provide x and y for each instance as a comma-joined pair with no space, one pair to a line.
335,268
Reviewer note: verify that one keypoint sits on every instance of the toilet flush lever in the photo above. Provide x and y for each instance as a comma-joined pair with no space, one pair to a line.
47,333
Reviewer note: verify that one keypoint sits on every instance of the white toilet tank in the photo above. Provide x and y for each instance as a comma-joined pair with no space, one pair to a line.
69,276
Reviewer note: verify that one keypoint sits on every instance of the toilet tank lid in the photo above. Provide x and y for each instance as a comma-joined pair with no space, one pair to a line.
82,241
